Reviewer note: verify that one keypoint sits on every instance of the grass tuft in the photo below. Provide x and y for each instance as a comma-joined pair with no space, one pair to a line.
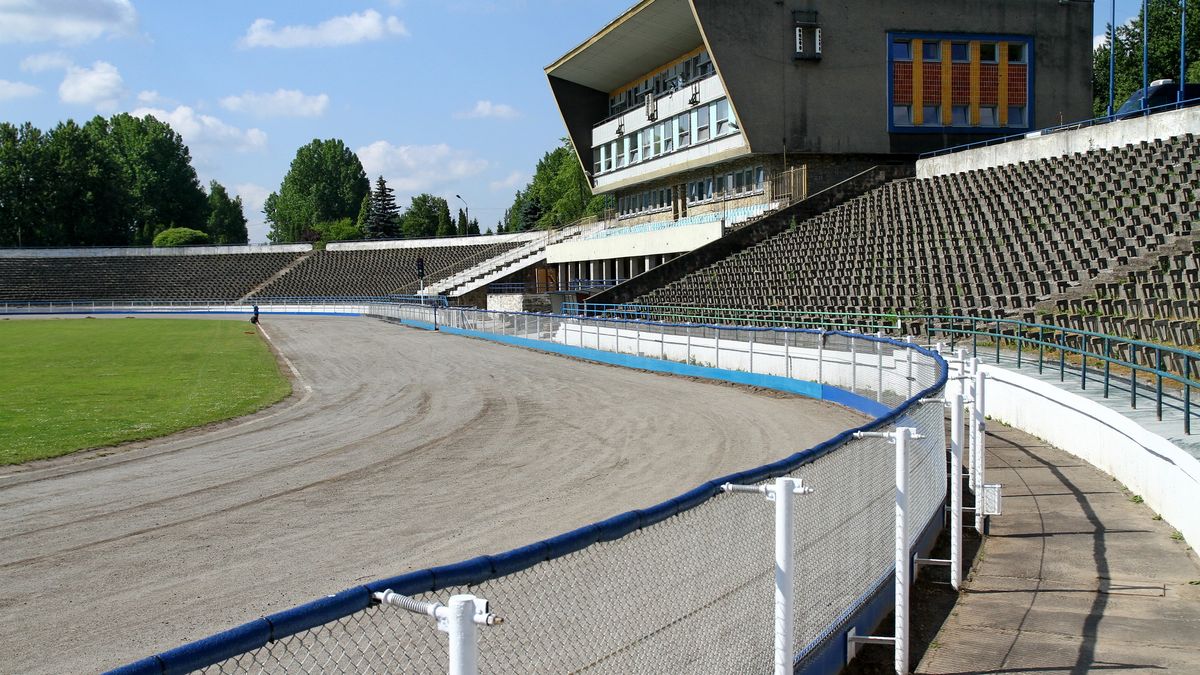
71,384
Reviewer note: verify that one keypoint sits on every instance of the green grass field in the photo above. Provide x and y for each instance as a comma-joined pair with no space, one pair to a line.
66,385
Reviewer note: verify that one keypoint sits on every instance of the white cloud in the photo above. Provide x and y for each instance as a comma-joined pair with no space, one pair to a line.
67,21
152,97
485,109
279,103
509,182
37,63
1099,40
100,86
206,136
412,169
253,197
11,90
366,26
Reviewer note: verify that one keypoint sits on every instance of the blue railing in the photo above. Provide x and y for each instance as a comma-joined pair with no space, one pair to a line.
1095,121
1091,358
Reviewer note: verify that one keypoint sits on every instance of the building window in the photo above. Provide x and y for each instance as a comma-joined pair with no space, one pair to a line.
758,178
1016,116
932,115
960,52
644,134
669,136
960,116
931,51
595,161
1016,52
620,153
902,115
634,146
987,116
722,108
685,137
987,52
657,130
702,124
901,50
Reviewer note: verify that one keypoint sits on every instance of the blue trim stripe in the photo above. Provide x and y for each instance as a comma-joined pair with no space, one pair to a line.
258,633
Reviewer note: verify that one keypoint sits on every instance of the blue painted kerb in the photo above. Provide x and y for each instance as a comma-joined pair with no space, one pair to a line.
258,633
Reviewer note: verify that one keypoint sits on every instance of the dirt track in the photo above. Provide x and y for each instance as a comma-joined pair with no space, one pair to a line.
411,449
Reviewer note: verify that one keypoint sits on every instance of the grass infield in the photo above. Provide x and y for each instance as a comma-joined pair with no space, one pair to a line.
71,384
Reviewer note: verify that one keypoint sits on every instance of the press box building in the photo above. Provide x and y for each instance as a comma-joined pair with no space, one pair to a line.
691,114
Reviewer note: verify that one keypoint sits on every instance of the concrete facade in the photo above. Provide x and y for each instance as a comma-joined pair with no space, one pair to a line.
114,252
1067,142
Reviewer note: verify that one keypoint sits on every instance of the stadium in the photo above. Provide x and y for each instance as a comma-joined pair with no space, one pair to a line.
895,375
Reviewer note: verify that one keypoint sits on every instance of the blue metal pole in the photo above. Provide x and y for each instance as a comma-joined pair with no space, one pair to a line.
1112,57
1145,53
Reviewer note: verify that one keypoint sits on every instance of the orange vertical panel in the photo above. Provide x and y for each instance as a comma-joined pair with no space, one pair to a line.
975,82
947,96
918,84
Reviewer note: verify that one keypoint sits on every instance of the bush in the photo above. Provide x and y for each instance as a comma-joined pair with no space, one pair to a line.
180,236
338,230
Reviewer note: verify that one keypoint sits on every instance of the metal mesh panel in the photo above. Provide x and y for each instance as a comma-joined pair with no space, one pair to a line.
694,592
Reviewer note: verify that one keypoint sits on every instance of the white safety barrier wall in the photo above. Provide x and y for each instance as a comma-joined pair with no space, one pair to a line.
683,586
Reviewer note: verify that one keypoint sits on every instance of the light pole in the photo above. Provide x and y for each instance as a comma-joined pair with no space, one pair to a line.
466,214
1112,56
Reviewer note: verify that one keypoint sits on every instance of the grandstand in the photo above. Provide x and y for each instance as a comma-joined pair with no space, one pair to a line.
1100,240
225,273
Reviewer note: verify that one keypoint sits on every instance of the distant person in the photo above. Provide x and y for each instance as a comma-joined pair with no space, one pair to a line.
254,317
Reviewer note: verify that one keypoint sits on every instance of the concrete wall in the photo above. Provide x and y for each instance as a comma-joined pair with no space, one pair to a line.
670,240
1167,477
839,104
1059,144
149,251
430,243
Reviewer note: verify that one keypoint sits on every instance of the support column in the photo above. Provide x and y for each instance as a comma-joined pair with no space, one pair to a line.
606,269
649,262
591,270
561,281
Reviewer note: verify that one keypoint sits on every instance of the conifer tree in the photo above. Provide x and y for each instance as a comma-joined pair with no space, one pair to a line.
384,222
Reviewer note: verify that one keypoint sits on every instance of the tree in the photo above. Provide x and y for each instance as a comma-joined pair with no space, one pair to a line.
325,182
462,227
180,236
1163,52
364,212
384,220
425,216
558,194
87,204
25,184
445,227
156,170
473,227
226,224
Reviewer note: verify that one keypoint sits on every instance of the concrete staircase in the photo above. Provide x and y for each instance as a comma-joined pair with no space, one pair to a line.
498,267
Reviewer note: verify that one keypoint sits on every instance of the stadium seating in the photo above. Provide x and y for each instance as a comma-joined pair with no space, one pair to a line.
1012,241
221,277
373,272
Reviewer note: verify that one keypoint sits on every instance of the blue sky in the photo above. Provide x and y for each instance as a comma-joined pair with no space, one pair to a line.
437,96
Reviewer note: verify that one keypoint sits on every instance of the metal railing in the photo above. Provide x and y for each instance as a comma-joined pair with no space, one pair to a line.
1070,126
1164,374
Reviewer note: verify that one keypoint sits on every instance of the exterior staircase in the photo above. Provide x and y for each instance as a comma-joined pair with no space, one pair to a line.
496,268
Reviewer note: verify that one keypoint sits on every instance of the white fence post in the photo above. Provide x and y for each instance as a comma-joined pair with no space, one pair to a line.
464,645
970,370
903,581
782,493
956,466
980,459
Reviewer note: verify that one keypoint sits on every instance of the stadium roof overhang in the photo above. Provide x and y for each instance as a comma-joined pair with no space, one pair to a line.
648,35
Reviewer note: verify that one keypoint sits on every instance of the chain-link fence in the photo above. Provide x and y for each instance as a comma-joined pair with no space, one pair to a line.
685,586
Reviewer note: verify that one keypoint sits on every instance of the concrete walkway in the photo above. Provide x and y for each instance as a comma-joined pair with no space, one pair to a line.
1076,576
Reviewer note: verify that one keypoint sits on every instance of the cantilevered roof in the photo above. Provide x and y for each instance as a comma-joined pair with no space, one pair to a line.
650,34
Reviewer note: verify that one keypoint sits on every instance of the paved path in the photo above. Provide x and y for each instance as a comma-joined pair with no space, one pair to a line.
1074,578
402,449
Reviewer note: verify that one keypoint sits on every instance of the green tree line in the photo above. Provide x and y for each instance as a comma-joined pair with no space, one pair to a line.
558,194
325,196
1163,52
110,182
